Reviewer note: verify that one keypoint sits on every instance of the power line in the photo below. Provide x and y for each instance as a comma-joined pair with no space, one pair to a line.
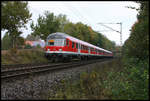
114,29
79,15
82,16
109,27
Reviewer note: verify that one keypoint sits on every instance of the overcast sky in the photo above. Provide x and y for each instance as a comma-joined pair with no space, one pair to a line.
90,13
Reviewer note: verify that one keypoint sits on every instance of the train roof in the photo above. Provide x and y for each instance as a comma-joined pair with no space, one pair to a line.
63,35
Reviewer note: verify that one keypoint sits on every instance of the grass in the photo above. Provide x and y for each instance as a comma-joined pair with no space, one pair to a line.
23,57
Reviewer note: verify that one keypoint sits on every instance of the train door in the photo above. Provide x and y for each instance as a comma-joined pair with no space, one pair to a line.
89,50
79,47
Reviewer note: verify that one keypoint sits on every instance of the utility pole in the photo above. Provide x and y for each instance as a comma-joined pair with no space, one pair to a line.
114,29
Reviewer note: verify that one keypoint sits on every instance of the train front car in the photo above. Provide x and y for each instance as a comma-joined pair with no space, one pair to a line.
54,46
61,46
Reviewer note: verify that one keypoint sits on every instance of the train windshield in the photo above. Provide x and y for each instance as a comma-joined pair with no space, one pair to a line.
56,42
51,43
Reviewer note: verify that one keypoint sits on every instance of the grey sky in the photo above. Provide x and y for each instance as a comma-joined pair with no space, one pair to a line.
89,13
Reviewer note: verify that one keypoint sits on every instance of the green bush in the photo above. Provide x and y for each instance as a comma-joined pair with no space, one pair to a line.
131,83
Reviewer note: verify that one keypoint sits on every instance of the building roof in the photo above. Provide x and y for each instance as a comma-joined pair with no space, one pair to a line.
35,43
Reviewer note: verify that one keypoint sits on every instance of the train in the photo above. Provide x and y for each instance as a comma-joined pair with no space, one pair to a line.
63,47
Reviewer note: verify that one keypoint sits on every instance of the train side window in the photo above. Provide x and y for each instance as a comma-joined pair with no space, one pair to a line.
72,44
67,42
64,42
77,45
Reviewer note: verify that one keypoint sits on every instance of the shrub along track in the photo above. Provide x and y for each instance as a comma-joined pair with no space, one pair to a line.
10,71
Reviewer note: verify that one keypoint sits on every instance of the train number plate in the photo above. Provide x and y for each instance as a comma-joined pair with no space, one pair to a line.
51,41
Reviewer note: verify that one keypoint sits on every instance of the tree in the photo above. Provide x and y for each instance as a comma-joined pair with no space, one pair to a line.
6,42
20,42
15,15
70,29
77,30
63,21
48,24
32,37
137,45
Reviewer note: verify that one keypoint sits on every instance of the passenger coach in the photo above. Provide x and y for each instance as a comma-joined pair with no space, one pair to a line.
61,46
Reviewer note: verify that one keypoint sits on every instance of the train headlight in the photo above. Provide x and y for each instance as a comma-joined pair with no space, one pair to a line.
48,49
60,49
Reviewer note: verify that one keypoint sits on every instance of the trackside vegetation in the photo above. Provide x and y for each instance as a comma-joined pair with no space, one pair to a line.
109,81
23,57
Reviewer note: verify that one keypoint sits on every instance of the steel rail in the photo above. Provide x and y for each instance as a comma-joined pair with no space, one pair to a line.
37,69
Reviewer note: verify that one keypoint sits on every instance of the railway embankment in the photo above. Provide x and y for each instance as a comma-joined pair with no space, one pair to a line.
23,56
48,85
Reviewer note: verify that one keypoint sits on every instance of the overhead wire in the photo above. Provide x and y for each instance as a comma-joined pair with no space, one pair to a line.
77,13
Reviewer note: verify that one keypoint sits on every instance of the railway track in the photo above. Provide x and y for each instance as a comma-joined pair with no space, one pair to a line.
27,70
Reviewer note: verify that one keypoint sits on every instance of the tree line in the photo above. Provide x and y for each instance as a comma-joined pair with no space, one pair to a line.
15,14
137,45
136,56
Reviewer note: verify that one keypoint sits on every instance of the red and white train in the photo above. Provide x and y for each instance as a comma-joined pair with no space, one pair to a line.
61,46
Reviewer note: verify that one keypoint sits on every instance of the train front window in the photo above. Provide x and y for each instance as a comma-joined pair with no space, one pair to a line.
51,43
56,42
